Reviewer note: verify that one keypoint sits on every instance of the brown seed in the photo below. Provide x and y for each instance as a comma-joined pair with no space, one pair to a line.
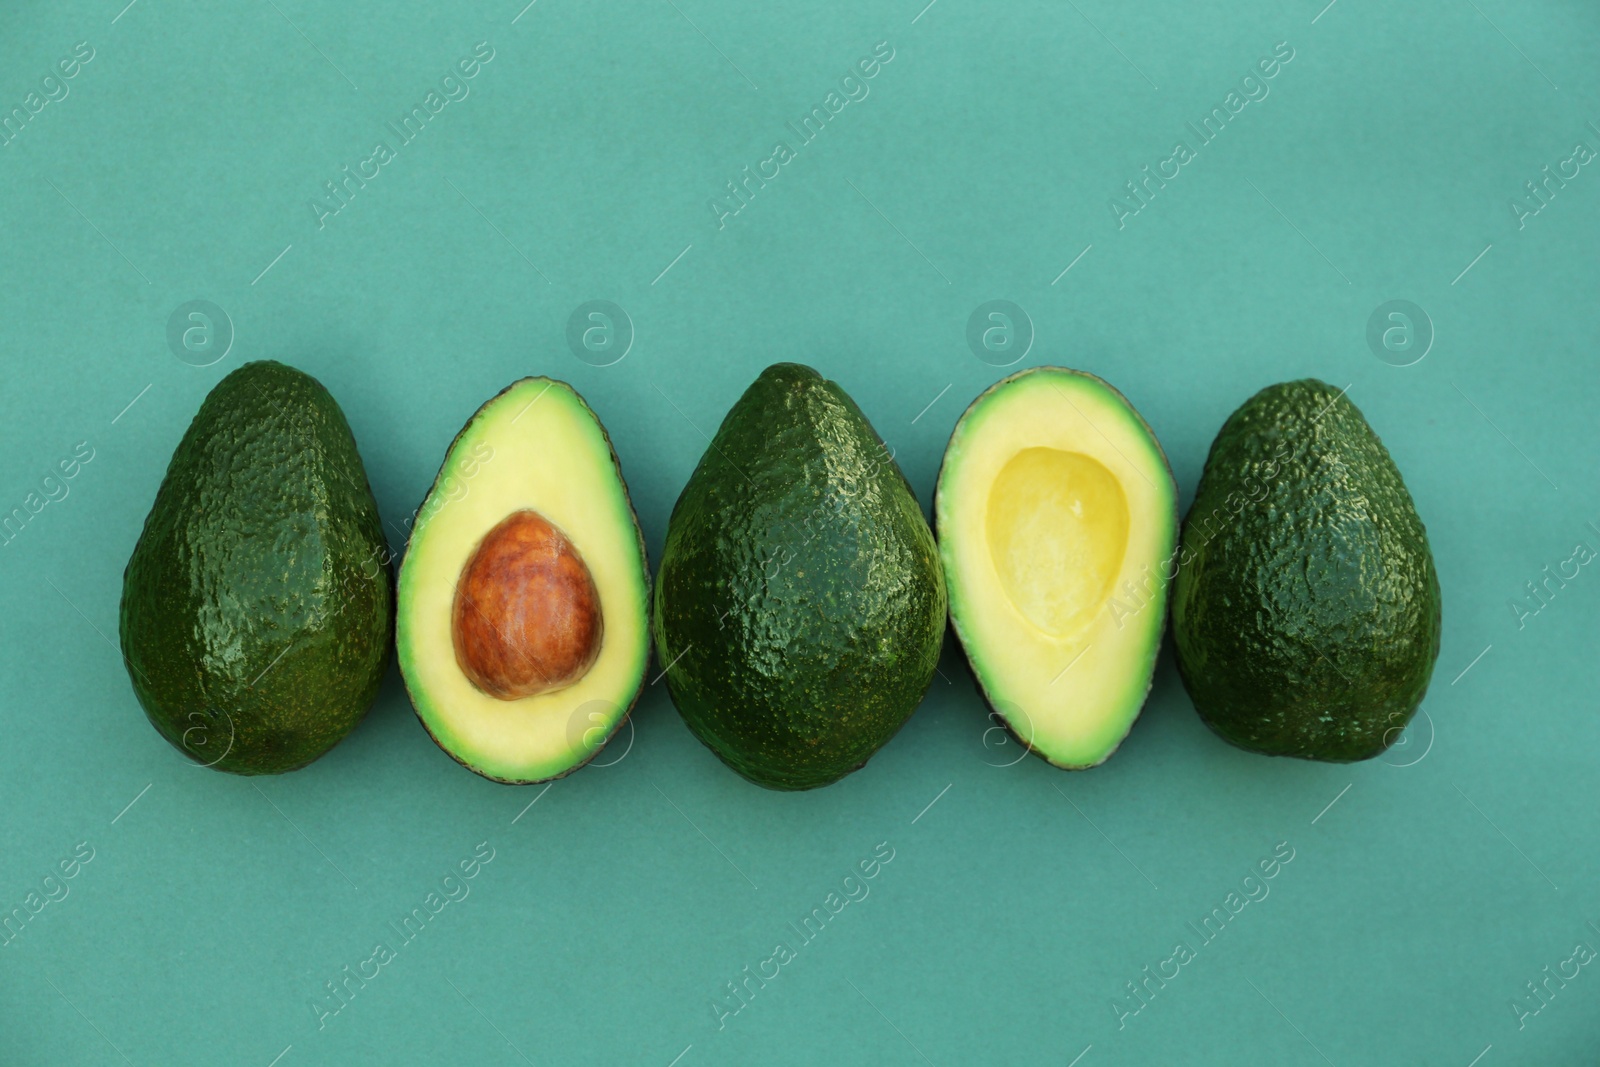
526,617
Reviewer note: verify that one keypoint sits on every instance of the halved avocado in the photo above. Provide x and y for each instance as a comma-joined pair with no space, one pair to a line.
523,601
1057,515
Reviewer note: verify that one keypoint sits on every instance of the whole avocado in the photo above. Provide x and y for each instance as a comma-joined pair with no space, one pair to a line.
1306,611
800,606
257,609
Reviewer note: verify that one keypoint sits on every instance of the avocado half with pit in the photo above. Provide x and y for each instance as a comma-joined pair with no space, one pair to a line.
523,599
1057,516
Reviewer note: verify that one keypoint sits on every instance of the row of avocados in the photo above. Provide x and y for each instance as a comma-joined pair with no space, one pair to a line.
801,601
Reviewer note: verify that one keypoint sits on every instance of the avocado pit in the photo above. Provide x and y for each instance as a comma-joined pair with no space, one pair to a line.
526,616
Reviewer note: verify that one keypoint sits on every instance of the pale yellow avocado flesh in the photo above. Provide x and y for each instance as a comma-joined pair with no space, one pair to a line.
1057,520
537,446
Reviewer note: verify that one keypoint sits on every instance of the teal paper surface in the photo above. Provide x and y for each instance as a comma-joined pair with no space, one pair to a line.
283,163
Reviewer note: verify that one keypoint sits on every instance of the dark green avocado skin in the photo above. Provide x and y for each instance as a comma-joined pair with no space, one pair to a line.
801,602
1306,610
258,606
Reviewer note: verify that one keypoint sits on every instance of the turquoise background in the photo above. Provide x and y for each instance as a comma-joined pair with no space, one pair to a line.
1381,166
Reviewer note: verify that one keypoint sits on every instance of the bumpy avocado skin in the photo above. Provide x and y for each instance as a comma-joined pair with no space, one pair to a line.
801,601
258,608
1306,611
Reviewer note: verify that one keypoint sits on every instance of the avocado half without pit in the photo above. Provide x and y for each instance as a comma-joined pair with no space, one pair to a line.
1057,515
522,627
